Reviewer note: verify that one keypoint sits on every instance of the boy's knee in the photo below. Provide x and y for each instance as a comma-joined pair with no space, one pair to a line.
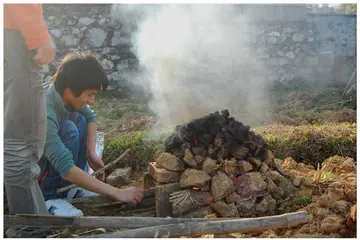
68,130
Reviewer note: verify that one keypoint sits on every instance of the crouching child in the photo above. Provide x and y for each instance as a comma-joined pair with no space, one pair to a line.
71,137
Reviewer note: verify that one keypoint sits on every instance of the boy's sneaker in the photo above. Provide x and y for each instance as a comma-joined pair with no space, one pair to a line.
60,207
80,193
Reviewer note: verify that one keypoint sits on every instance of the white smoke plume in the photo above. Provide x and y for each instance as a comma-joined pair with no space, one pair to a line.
197,60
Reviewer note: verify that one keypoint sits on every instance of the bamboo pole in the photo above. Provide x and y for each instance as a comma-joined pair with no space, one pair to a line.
196,228
107,166
95,222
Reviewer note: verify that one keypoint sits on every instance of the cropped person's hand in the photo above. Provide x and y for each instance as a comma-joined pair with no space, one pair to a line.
46,53
131,195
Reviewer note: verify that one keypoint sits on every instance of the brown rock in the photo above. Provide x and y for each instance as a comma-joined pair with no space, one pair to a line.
233,197
246,208
244,167
321,212
221,186
286,185
262,207
189,158
326,201
275,191
273,175
209,165
120,176
297,181
230,167
353,212
169,162
342,207
193,177
264,167
255,162
271,204
199,213
162,175
149,181
224,209
250,184
199,151
332,224
239,152
269,158
199,160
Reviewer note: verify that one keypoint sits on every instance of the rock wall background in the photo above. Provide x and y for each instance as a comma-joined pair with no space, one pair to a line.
293,43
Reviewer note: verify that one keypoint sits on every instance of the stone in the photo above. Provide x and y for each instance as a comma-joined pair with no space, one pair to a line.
169,162
199,213
209,165
271,204
326,201
189,159
280,53
126,28
273,62
290,55
273,175
297,181
162,175
69,40
224,209
306,72
233,198
114,76
107,64
162,199
86,21
56,33
274,34
240,152
283,62
246,208
311,61
255,162
250,184
332,224
120,41
95,37
289,30
115,57
193,177
75,31
51,18
119,177
46,68
101,21
272,40
71,22
199,151
199,160
326,60
297,50
274,190
82,29
106,50
321,212
244,167
121,66
298,37
342,207
310,39
149,181
231,167
221,186
264,168
286,185
262,206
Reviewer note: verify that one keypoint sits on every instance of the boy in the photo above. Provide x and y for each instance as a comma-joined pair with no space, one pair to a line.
71,135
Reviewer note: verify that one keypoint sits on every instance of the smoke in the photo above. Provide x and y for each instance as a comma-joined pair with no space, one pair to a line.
196,59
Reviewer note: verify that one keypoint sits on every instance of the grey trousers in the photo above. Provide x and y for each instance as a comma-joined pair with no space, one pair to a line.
24,126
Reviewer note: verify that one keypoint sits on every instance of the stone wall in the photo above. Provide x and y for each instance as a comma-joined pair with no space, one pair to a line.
292,43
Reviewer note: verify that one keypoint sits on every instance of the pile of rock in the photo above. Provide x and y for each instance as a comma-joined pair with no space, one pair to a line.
221,167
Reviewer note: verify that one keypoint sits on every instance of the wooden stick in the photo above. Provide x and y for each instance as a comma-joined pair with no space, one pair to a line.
95,222
107,166
196,228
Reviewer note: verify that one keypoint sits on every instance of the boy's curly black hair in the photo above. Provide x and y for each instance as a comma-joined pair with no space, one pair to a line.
79,71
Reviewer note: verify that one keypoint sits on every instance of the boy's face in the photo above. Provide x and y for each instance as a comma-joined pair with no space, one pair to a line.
86,97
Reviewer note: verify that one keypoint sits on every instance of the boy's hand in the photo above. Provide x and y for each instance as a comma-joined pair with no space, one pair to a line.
131,195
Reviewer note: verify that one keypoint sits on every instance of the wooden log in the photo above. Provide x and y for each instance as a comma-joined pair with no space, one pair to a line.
162,194
107,166
95,222
196,228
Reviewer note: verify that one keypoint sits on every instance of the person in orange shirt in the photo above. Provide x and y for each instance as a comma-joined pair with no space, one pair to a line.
27,46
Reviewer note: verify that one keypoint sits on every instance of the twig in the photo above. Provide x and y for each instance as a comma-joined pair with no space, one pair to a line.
107,166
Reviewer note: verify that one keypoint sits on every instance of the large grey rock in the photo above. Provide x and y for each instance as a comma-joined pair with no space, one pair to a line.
86,21
250,184
56,33
209,165
120,176
169,161
298,37
95,37
225,210
69,40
